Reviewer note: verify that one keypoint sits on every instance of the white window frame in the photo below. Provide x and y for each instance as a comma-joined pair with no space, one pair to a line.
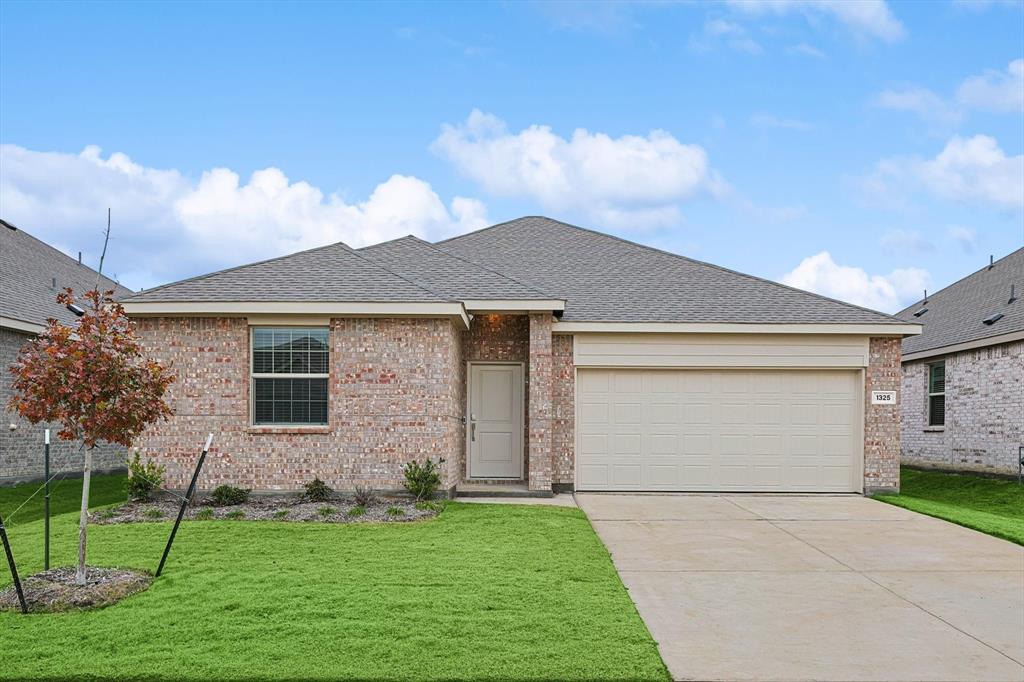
931,366
253,376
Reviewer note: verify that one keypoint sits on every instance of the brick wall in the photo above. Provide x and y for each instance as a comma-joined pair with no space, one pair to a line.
21,450
563,425
540,402
882,422
393,397
984,411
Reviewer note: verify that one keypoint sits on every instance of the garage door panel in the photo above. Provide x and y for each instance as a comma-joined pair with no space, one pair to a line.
730,430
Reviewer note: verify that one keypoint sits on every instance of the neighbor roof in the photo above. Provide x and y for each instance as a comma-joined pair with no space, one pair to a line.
32,273
607,279
954,314
334,273
451,275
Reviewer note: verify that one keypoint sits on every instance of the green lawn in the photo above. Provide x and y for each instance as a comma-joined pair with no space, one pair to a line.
481,592
65,496
993,506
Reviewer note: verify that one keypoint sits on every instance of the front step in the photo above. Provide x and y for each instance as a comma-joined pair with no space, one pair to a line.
498,490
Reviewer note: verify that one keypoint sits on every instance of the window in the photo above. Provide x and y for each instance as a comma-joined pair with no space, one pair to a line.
289,375
937,394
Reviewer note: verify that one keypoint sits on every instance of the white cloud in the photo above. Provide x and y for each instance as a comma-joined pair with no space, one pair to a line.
890,293
167,226
995,90
920,101
974,170
964,237
905,240
869,18
629,181
728,33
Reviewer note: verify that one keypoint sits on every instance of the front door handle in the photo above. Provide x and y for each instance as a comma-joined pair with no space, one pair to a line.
472,432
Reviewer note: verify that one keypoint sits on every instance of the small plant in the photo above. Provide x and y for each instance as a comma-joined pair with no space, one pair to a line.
317,491
326,511
229,495
143,479
427,505
363,496
422,480
281,514
356,512
204,514
108,513
235,515
396,511
153,513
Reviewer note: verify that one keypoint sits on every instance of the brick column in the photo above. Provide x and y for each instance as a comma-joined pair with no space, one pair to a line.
882,422
540,413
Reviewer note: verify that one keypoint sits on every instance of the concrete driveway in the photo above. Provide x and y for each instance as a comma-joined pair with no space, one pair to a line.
758,587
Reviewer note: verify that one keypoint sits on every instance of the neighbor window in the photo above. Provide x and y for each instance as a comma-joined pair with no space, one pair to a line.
289,375
937,394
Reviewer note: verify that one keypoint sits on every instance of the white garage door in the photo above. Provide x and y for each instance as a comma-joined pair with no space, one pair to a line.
729,430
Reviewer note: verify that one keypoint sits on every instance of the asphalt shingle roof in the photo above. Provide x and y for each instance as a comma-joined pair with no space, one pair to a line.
955,313
28,268
448,274
607,279
334,273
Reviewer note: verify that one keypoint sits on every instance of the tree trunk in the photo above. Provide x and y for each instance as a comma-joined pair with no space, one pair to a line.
83,519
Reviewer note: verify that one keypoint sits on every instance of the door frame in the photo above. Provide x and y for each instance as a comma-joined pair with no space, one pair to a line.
522,419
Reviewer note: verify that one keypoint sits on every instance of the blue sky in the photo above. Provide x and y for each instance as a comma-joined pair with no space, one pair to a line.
864,150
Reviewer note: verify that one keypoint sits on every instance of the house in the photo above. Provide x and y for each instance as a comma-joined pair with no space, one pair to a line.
32,273
963,377
531,352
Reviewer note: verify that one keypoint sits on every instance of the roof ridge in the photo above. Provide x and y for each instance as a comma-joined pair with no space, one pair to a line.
694,260
388,270
531,287
53,248
961,280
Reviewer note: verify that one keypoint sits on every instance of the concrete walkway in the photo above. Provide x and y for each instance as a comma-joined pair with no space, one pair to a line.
815,588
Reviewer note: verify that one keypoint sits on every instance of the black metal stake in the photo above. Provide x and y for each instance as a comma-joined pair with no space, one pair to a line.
46,502
14,569
184,503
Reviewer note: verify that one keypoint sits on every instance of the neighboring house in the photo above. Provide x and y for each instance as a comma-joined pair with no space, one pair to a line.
963,378
532,352
32,273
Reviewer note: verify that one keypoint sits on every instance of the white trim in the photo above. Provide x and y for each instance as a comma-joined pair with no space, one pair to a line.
966,345
487,305
289,320
736,328
21,326
523,440
454,310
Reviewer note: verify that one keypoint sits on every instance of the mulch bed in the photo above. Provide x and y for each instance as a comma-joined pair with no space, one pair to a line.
271,508
55,590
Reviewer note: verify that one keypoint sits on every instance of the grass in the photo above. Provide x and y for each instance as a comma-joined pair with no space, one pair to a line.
993,506
481,592
65,496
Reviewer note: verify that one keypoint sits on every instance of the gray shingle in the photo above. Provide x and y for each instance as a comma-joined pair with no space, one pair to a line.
334,273
28,267
955,313
607,279
448,274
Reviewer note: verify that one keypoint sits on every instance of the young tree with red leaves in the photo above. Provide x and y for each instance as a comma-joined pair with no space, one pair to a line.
93,381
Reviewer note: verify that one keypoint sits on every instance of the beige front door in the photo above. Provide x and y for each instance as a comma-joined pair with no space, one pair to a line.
495,433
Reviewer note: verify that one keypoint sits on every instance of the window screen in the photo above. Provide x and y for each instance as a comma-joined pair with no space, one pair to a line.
937,394
289,375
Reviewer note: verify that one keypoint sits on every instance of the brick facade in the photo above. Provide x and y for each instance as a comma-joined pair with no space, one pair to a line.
984,411
393,397
21,450
539,405
563,425
882,422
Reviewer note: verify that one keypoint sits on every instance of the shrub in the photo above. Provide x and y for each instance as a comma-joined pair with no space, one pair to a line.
228,495
363,496
430,506
235,515
281,514
204,514
154,513
356,512
326,511
317,491
396,511
422,480
143,479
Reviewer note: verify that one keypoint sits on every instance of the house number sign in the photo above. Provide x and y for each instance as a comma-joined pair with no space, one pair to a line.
883,397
